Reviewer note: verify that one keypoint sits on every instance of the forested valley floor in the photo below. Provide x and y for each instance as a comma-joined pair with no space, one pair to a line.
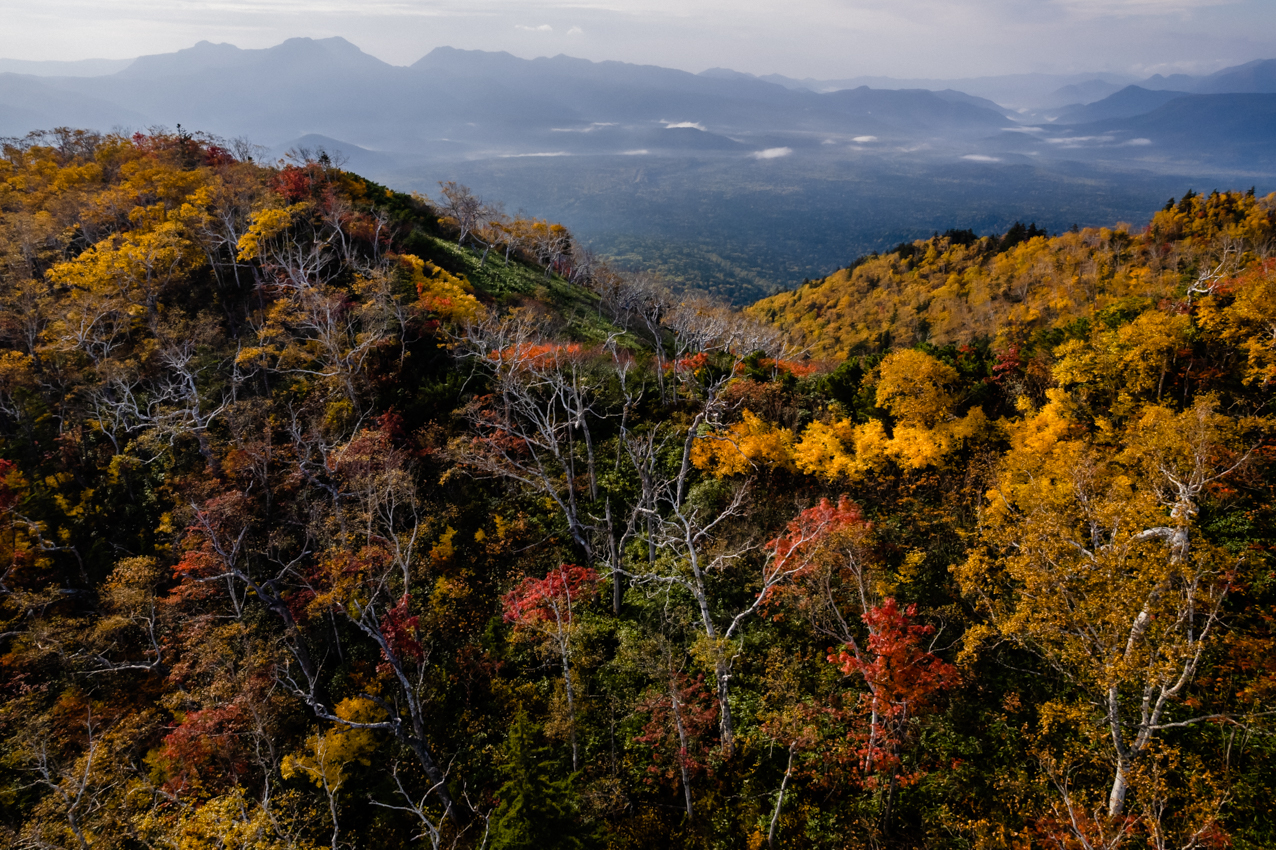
332,516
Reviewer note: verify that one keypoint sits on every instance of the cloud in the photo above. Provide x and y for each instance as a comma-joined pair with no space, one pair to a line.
1139,142
546,153
683,125
575,31
591,128
863,140
1073,141
772,153
978,157
541,28
639,152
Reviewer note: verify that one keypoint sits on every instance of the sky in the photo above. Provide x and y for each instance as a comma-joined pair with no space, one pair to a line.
825,39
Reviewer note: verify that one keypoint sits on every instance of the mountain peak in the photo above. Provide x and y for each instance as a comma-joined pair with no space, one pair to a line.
1258,77
202,56
445,57
325,50
206,56
334,44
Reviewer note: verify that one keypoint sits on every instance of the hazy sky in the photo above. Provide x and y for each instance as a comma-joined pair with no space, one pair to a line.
820,38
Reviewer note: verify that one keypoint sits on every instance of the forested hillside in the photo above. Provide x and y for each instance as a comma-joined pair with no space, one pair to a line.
958,287
335,517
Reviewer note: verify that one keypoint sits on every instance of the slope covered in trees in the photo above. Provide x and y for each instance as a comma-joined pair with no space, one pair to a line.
957,287
335,517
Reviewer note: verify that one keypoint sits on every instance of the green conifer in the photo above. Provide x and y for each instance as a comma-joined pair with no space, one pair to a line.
537,811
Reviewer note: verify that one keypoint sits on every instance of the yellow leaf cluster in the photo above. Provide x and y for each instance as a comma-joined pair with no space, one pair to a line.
748,444
446,295
1248,321
326,755
841,450
231,821
913,386
1128,362
262,227
442,551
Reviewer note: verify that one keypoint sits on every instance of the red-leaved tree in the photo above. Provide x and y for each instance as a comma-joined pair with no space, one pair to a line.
903,679
681,715
542,607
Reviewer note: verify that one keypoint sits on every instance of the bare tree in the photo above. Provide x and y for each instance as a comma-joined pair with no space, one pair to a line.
695,534
373,510
550,242
463,209
76,790
536,425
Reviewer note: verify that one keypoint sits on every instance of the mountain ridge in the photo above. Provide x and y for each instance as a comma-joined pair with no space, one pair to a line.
1126,103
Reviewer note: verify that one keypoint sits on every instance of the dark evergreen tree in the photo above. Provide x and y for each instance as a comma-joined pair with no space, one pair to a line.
537,811
1018,234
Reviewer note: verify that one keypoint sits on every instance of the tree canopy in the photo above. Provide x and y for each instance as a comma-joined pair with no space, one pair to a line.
336,517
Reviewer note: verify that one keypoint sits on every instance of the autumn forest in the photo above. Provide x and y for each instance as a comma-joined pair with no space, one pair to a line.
337,517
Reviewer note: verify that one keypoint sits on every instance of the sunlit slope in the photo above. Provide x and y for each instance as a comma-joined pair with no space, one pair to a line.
955,288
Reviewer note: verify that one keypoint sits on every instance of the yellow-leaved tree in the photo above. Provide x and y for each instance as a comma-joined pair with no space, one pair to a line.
916,389
1116,368
749,443
328,755
446,295
1090,555
231,821
1243,313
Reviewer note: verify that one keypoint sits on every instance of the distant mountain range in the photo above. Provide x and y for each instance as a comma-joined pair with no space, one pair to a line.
463,105
1011,91
1125,103
722,179
1226,131
58,68
1029,92
456,103
1251,78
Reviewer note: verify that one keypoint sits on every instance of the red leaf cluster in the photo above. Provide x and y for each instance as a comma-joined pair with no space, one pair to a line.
1009,363
903,675
401,629
903,679
680,716
297,183
204,748
538,355
538,600
692,364
805,532
8,496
